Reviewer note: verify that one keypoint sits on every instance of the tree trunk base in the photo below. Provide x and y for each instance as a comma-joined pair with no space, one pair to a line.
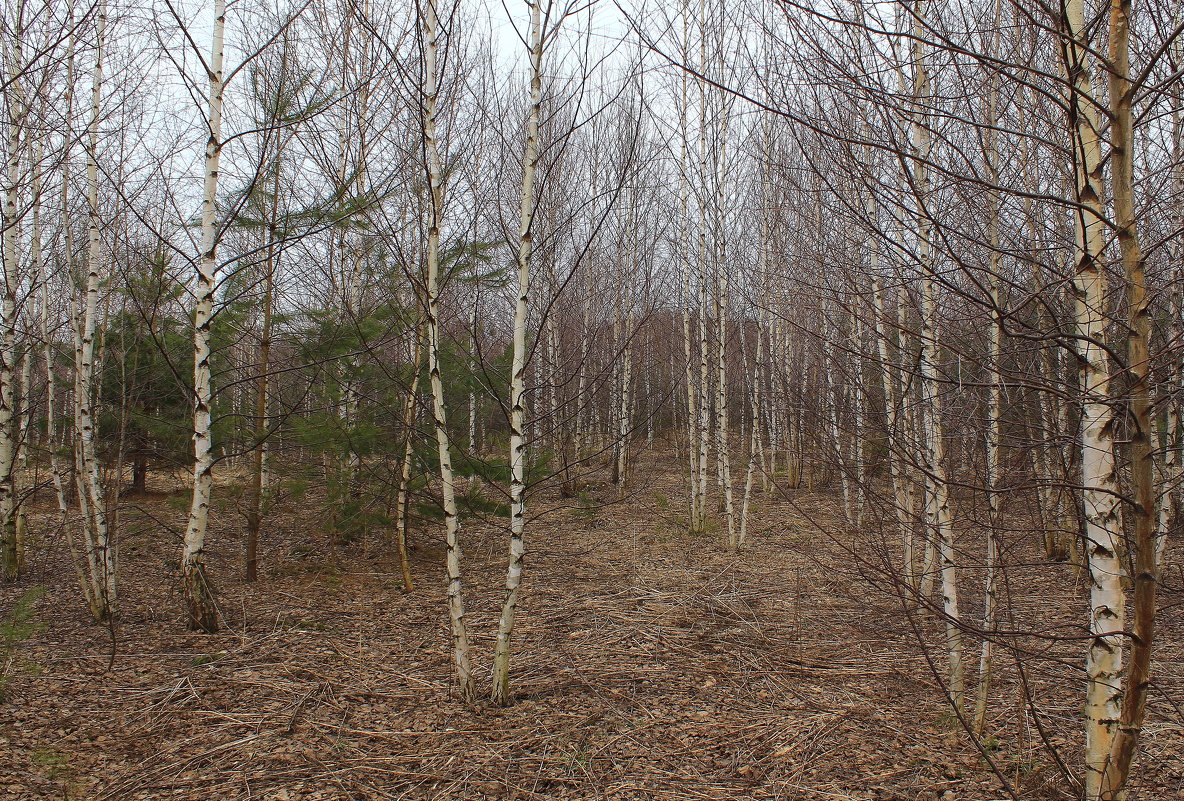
203,614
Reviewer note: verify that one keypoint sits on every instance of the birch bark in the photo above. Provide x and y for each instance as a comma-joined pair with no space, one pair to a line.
695,521
100,551
530,157
1137,681
435,176
17,118
995,402
405,465
938,523
859,401
1171,501
723,291
61,472
902,507
199,595
1099,489
704,435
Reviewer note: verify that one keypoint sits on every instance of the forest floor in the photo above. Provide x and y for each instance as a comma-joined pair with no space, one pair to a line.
648,664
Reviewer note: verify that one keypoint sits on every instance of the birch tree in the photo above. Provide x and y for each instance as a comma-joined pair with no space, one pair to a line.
434,169
1171,501
1137,680
100,552
199,595
530,158
16,118
995,403
938,524
1099,490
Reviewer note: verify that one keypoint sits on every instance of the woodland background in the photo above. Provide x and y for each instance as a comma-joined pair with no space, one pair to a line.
826,359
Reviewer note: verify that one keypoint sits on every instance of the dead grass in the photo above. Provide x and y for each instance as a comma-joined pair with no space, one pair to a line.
649,664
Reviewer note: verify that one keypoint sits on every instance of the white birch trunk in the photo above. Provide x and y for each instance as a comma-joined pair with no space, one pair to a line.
834,400
704,440
754,440
199,594
61,472
472,372
938,523
1050,494
583,412
624,410
1137,401
58,473
100,551
435,175
994,406
17,114
902,495
647,390
764,259
1099,489
694,518
405,465
25,429
859,479
554,381
723,288
1171,500
501,663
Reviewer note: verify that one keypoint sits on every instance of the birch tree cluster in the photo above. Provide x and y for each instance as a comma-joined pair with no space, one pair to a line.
415,266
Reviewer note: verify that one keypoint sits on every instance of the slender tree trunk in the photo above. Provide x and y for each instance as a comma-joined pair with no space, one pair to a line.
1171,501
694,519
939,527
623,350
647,390
770,417
199,595
834,400
722,309
259,457
938,522
859,401
530,157
100,551
17,117
995,402
902,505
1100,491
764,266
551,362
1138,400
583,412
704,436
350,271
24,429
472,366
754,440
435,176
405,466
624,411
61,472
1050,490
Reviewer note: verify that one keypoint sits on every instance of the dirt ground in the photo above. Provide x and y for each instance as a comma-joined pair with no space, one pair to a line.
648,664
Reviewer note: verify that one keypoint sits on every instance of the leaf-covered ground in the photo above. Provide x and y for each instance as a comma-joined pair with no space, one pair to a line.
648,664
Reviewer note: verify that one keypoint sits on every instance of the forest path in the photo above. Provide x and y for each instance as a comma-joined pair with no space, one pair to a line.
649,664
